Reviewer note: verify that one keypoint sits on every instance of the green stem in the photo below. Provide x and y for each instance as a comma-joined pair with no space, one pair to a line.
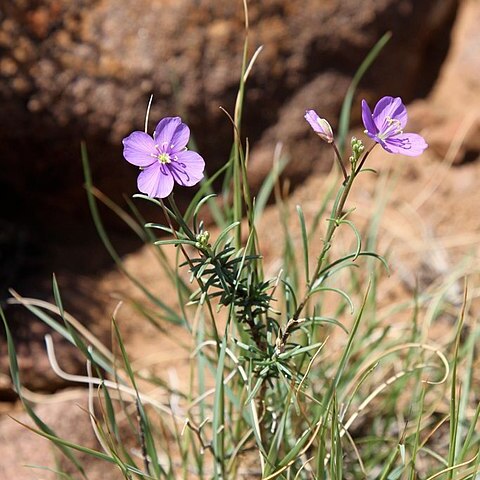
362,162
334,222
179,219
340,162
332,227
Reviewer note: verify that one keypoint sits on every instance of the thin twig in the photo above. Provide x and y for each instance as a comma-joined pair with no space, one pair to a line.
340,162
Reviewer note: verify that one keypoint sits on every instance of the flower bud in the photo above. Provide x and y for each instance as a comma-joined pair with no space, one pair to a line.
202,239
320,126
357,146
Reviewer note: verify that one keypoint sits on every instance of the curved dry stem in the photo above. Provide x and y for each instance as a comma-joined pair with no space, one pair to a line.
305,449
251,63
453,467
98,381
376,392
49,399
303,467
232,121
91,410
147,114
310,365
357,454
405,346
19,300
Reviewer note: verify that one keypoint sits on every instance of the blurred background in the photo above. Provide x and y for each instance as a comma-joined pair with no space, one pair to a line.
84,71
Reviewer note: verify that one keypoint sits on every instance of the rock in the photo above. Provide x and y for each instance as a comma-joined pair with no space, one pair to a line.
84,71
457,137
67,416
451,118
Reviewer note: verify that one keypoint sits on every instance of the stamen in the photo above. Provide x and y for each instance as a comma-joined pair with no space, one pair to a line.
164,158
393,127
178,169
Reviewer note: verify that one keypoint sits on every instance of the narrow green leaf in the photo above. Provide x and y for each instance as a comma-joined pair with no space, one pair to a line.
219,412
303,230
170,314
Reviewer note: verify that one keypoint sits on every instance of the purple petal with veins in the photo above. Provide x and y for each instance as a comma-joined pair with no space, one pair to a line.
180,138
155,181
386,126
389,108
164,158
410,144
164,132
139,149
190,168
367,118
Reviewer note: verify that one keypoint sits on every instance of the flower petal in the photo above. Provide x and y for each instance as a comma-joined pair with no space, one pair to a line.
410,144
188,168
311,117
389,108
180,138
319,125
138,149
165,131
368,122
155,181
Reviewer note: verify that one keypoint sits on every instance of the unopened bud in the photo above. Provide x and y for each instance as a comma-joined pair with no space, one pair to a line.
357,147
320,126
202,239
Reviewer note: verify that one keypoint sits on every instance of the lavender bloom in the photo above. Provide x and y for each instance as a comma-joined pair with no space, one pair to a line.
320,126
386,126
163,159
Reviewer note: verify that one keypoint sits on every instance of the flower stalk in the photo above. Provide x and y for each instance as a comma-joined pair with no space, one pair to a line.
385,126
340,162
334,222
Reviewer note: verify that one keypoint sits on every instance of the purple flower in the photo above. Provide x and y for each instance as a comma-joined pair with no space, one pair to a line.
386,126
320,126
163,159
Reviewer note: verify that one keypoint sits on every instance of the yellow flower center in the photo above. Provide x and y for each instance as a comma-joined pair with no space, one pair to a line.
164,158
